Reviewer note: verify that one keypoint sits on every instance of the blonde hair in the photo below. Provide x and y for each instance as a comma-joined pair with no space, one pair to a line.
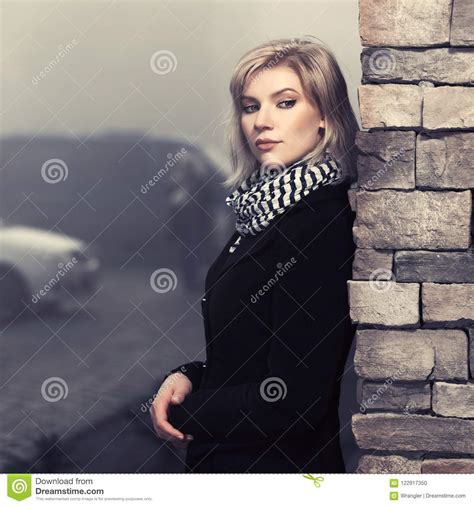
322,82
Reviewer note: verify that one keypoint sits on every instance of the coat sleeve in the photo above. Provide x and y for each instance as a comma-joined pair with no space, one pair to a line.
193,370
309,312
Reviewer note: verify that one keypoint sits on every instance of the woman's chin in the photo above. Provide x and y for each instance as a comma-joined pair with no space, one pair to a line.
272,159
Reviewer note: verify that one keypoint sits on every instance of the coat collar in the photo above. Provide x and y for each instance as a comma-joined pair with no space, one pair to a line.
250,244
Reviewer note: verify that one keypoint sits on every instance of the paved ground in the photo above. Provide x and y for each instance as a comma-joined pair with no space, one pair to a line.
110,355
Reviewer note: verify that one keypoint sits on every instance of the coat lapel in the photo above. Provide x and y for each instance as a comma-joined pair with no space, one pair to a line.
251,244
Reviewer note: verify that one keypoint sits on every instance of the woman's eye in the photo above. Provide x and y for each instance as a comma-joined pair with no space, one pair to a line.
245,108
291,102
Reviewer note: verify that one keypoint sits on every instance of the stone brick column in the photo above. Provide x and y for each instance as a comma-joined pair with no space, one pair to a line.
412,293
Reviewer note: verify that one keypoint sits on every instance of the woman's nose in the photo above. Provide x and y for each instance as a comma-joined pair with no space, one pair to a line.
263,119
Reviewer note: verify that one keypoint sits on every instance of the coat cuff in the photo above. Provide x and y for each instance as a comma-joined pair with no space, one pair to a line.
192,370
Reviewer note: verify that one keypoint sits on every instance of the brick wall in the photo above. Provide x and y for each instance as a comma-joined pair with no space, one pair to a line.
412,293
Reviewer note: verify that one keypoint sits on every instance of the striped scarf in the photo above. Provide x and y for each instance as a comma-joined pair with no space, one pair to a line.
272,189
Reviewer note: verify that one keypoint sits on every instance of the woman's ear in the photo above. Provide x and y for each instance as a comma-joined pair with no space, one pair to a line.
322,126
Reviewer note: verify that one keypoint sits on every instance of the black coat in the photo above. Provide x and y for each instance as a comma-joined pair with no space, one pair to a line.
278,332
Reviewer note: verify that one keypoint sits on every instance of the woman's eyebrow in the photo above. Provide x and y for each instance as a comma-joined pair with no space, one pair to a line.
272,95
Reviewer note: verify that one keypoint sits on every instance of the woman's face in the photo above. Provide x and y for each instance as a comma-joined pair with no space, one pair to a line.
286,117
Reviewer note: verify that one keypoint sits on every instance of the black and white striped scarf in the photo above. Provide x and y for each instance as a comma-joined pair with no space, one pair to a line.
272,189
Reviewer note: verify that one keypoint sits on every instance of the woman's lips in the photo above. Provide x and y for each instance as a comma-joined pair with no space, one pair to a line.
265,146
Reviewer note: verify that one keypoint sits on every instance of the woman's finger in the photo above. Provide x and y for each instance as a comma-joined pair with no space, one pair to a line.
179,444
160,415
170,431
154,421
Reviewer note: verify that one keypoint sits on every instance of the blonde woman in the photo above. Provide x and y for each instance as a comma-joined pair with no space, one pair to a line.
275,307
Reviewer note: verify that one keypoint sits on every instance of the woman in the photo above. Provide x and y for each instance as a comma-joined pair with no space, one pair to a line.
275,309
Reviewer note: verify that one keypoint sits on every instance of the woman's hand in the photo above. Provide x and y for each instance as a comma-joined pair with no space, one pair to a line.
173,390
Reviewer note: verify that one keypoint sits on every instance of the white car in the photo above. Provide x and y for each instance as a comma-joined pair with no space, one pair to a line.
41,268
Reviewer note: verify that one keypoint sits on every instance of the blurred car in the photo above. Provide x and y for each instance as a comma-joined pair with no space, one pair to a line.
41,268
